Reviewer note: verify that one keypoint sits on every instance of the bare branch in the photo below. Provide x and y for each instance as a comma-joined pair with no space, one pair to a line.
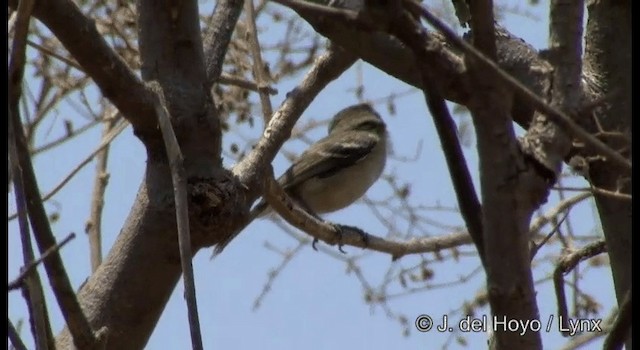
55,55
542,220
258,64
601,191
287,256
217,38
104,143
83,336
621,327
64,138
33,292
412,35
27,270
535,247
16,341
559,117
321,10
93,226
566,264
179,177
229,80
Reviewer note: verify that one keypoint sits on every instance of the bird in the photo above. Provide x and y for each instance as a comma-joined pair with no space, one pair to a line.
338,169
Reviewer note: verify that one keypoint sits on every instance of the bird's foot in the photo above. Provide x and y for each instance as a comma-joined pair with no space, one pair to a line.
339,229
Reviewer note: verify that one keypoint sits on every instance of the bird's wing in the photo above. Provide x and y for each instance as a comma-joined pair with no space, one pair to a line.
327,156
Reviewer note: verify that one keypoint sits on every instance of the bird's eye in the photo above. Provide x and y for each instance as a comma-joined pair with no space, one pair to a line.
369,125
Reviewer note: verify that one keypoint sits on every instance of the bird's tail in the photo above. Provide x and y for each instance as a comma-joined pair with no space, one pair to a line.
259,210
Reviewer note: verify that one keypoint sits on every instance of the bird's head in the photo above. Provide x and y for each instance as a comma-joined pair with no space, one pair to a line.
360,117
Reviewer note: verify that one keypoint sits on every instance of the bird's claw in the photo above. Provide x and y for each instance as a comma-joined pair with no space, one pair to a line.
339,229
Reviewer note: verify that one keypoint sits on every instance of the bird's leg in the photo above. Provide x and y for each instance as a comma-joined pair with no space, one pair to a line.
337,228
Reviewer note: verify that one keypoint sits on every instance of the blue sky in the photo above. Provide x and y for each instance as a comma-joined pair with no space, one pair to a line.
315,303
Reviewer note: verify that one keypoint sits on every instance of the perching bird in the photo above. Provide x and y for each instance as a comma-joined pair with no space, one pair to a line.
338,169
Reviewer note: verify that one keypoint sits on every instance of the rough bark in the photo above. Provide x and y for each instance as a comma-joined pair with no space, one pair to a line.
608,62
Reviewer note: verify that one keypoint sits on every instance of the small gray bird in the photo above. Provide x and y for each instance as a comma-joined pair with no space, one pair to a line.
338,169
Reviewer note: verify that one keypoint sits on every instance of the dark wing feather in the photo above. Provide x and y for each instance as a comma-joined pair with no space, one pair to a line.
329,157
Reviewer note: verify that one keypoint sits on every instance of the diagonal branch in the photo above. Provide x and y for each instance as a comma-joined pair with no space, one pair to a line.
83,336
217,38
621,325
258,64
559,117
414,37
27,270
179,178
94,225
32,291
16,341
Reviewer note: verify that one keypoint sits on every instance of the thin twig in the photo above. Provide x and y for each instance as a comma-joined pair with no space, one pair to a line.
612,194
33,291
258,64
16,341
225,78
179,178
536,246
559,117
542,220
565,265
621,326
55,55
245,84
466,194
26,271
94,225
65,138
275,272
344,14
105,141
83,337
107,69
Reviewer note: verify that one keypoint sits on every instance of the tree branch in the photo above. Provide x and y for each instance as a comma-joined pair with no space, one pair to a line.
16,341
216,40
94,225
567,263
559,117
179,177
27,270
621,326
32,291
415,37
447,68
258,65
